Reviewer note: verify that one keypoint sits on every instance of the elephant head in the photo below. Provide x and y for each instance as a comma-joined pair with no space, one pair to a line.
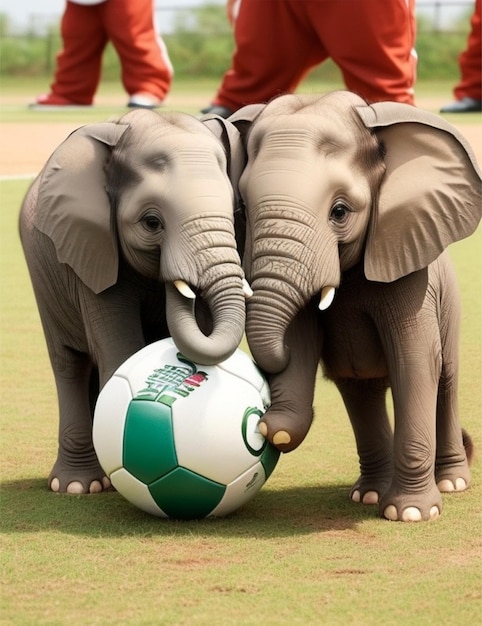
331,182
152,190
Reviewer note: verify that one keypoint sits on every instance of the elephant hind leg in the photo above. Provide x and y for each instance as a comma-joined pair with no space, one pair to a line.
468,446
365,402
454,445
452,473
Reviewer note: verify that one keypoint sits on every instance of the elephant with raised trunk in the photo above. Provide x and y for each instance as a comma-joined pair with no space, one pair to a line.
128,233
349,209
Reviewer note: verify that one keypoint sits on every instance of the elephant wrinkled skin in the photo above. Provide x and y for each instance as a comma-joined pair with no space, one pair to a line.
122,214
357,203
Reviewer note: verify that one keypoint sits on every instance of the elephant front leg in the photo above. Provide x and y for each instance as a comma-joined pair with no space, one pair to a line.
76,469
365,402
288,420
414,372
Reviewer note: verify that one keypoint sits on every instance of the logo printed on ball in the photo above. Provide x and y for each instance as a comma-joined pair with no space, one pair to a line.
168,383
253,482
253,439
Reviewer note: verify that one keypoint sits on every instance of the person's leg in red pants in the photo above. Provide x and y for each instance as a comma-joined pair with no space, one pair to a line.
274,51
372,42
79,62
146,68
277,43
471,60
468,92
129,24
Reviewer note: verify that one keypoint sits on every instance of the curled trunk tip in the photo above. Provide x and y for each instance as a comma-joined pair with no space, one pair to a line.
228,326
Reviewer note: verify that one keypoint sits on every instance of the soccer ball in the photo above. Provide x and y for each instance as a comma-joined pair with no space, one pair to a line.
181,440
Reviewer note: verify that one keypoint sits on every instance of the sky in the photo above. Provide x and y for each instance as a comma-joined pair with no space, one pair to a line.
24,12
21,13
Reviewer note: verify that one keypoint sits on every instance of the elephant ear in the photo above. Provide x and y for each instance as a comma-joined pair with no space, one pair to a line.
431,193
232,139
232,134
243,118
73,208
229,136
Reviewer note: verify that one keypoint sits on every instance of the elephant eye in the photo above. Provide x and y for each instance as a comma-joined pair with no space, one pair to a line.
152,223
339,212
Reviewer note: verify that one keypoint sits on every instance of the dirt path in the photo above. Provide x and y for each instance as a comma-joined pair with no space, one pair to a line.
24,147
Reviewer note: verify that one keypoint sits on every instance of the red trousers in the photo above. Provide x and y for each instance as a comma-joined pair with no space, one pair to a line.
279,41
470,61
129,25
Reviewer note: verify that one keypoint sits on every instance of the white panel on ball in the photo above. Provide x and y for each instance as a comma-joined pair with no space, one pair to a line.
210,445
135,491
241,490
136,366
241,365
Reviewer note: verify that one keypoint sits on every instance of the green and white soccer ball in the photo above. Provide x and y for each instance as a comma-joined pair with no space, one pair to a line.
181,440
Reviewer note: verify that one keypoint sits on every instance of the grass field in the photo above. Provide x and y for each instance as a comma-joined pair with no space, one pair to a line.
299,553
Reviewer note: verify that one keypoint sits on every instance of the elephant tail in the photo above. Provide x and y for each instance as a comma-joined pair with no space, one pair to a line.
468,445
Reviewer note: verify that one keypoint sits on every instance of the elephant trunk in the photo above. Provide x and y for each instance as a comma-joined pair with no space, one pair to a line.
282,286
205,300
268,317
228,319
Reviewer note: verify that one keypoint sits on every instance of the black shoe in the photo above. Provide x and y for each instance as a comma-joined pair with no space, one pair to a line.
216,109
465,105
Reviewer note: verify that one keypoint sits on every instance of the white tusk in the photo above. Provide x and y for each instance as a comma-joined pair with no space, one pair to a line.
248,292
327,295
184,289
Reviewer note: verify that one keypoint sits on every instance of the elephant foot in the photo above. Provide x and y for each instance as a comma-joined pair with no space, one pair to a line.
413,507
78,479
281,437
369,497
284,432
410,514
452,477
369,490
76,487
448,486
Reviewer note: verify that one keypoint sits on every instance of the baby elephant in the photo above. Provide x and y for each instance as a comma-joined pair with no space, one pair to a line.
128,233
349,210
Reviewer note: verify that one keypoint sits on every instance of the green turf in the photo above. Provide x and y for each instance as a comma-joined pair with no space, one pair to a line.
186,95
17,94
299,553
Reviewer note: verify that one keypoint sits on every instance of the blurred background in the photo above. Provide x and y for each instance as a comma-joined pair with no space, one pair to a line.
199,39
